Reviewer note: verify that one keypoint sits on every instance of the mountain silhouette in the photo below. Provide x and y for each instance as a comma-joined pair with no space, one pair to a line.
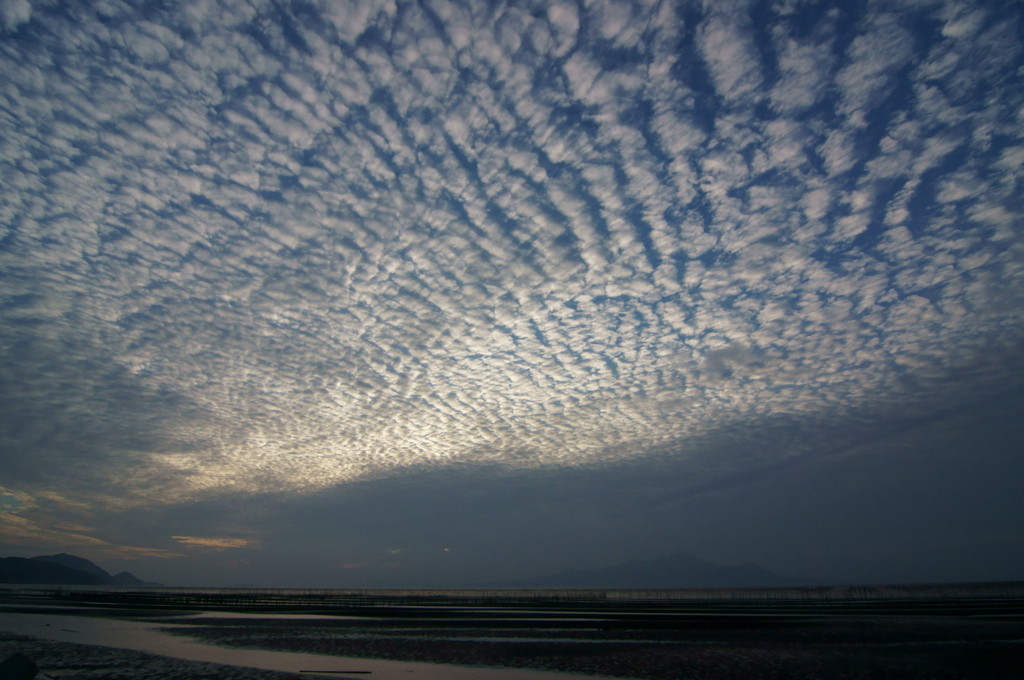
679,570
62,569
23,570
78,563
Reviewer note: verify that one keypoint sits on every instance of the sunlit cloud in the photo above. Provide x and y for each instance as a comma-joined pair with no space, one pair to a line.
44,532
215,543
12,500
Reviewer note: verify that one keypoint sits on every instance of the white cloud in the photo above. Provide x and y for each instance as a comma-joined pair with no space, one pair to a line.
566,23
616,21
874,60
730,56
964,24
805,71
14,13
485,242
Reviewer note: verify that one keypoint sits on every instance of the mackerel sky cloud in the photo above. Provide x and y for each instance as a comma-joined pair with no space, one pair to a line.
277,250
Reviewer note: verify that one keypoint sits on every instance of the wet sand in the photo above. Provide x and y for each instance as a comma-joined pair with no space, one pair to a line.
68,661
152,637
879,648
948,641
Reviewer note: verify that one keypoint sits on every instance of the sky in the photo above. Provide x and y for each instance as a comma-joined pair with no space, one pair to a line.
353,293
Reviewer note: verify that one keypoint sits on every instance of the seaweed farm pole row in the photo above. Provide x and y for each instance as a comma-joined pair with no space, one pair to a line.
972,598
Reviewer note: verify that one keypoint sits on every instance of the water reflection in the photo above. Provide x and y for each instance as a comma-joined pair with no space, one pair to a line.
148,637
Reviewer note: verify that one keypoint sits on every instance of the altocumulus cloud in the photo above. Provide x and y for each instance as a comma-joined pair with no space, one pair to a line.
261,247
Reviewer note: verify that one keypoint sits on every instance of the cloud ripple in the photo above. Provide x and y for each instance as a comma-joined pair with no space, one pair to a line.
263,248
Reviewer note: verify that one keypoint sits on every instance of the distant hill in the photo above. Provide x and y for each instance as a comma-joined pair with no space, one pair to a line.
680,570
126,578
78,563
23,570
62,569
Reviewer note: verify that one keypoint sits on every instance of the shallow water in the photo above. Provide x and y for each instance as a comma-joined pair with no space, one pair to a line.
262,617
148,637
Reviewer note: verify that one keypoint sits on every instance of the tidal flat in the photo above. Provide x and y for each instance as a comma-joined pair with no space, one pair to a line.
720,638
865,647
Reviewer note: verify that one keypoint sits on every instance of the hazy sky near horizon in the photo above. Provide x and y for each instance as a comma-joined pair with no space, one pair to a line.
445,291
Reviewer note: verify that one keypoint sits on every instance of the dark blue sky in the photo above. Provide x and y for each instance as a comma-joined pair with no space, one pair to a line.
440,292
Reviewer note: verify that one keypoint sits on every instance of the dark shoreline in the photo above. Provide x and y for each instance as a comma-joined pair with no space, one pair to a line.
864,647
71,661
963,638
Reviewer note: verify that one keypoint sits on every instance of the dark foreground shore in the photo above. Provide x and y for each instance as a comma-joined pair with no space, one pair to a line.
67,661
957,638
904,648
900,648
